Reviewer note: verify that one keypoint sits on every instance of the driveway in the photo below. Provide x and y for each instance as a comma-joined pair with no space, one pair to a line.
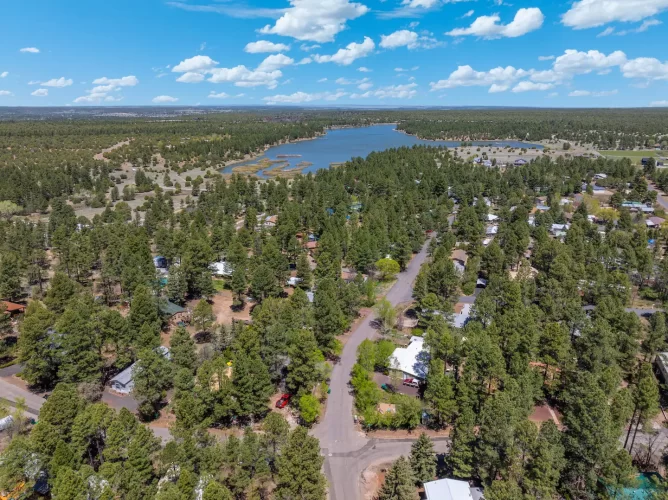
346,448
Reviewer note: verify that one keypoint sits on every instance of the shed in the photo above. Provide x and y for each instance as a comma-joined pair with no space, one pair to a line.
654,221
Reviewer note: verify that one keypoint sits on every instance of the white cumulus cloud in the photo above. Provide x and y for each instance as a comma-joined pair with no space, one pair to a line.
659,104
262,46
241,76
190,77
527,86
592,13
274,62
30,50
364,69
58,82
349,54
648,68
466,76
220,95
525,21
576,62
315,20
194,64
588,93
399,38
545,58
104,86
164,98
302,97
5,92
4,74
40,93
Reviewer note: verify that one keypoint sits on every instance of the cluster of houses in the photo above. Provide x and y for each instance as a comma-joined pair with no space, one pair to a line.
489,163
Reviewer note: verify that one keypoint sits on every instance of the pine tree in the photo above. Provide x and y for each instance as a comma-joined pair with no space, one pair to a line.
399,482
251,380
80,358
304,272
329,318
238,285
299,468
182,350
39,365
423,459
177,287
143,310
276,431
69,484
460,458
203,316
216,491
11,276
60,292
305,360
119,432
62,457
152,376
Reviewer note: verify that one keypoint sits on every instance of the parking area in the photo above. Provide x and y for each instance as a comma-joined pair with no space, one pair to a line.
381,379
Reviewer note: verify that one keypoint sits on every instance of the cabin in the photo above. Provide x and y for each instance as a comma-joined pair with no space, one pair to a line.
492,230
519,162
13,309
411,361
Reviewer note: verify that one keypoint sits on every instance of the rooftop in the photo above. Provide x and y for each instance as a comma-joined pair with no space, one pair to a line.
412,360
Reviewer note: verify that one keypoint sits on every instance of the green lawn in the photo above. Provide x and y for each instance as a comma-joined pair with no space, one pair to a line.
632,155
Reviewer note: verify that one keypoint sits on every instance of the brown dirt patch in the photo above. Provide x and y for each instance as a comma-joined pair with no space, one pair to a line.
222,308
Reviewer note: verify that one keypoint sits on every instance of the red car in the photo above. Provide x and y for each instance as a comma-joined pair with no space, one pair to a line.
283,401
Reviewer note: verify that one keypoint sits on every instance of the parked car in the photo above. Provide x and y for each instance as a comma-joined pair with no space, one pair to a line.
283,401
411,382
388,388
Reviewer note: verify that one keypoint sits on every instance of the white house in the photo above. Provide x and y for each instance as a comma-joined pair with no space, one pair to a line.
492,230
412,361
222,268
492,218
451,489
124,383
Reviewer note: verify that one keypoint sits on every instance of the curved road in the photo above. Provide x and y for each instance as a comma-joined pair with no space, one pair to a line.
347,451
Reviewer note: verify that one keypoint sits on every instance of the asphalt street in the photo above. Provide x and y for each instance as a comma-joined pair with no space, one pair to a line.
347,451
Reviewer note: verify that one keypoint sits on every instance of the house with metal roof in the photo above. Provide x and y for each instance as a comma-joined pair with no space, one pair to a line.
412,361
124,381
451,489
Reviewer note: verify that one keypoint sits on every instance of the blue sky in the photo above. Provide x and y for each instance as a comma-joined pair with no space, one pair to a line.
582,53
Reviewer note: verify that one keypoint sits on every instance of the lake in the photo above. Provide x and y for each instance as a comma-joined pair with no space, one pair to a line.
340,145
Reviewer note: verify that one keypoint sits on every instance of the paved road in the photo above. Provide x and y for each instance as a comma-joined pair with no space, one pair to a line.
640,311
344,470
659,197
348,447
10,392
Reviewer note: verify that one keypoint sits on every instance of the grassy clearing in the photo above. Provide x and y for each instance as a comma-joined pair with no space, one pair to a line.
634,156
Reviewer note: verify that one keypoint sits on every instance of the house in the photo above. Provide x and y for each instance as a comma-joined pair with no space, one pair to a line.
459,258
462,314
519,162
174,313
600,176
13,309
661,363
492,218
633,206
542,208
160,262
412,361
356,207
451,489
556,229
486,242
598,189
222,268
492,230
294,281
124,381
654,222
647,210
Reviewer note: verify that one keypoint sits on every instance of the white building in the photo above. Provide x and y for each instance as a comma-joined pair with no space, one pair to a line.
451,489
412,361
222,268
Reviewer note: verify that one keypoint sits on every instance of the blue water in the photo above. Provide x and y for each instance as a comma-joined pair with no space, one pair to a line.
340,145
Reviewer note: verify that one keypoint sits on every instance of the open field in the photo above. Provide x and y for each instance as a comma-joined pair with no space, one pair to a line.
634,156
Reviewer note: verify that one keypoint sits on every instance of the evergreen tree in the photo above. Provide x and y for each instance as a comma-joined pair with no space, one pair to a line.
69,485
304,272
399,482
39,365
251,380
177,287
152,376
11,276
60,292
461,456
182,350
276,430
203,316
304,370
439,394
329,318
423,459
299,465
144,311
216,491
